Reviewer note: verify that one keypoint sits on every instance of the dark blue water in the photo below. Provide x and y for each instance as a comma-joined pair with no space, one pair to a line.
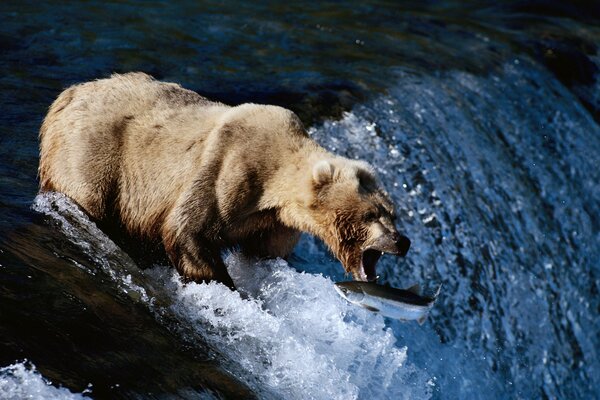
482,121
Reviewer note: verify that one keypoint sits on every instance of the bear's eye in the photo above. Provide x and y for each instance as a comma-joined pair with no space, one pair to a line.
371,216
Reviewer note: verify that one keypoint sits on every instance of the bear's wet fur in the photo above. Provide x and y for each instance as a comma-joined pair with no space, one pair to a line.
201,177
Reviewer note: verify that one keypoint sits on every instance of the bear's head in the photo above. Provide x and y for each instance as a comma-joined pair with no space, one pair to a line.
355,217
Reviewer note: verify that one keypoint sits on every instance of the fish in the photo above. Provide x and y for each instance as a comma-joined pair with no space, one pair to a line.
403,304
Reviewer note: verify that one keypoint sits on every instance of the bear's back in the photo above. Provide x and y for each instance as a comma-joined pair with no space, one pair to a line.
95,132
135,144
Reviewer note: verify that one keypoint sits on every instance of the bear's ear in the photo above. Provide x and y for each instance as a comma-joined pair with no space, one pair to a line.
322,172
366,179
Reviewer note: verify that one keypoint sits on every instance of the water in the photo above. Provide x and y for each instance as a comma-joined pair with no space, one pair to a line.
482,121
287,331
19,381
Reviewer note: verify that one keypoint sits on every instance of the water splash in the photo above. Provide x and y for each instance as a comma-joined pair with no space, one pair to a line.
21,381
286,331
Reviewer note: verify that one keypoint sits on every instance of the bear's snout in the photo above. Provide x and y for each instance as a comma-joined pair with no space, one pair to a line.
393,243
402,243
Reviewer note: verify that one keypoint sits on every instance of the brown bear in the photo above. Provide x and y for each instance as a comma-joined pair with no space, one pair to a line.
201,177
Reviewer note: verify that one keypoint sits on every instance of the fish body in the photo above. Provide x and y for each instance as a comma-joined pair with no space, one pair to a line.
404,304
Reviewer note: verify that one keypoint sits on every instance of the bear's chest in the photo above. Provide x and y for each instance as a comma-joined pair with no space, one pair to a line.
252,224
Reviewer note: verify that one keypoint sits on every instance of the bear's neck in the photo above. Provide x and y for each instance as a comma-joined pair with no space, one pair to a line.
290,189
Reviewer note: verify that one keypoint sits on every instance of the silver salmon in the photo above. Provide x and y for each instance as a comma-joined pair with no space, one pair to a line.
403,304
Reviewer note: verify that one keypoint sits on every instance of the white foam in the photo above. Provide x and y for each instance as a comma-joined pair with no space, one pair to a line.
295,333
19,381
289,331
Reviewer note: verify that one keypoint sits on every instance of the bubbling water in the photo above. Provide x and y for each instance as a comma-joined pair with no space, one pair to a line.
21,381
284,330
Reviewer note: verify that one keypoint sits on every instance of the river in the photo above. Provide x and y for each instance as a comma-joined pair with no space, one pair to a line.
482,123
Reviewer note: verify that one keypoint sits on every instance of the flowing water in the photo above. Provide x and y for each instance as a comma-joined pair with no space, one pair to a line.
480,119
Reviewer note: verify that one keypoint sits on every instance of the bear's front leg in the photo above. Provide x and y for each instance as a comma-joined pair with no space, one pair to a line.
196,260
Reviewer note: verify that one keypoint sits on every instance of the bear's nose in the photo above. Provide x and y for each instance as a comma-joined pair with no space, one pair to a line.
402,243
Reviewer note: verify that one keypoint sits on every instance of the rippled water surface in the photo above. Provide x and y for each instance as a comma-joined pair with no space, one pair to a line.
482,122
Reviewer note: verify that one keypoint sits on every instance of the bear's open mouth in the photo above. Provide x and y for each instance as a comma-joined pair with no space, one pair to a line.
369,261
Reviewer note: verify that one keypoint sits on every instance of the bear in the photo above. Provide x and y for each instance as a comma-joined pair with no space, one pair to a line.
201,177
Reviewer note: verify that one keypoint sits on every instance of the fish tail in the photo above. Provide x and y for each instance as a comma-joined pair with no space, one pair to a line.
437,292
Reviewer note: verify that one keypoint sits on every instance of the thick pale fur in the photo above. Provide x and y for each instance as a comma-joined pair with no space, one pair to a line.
202,176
